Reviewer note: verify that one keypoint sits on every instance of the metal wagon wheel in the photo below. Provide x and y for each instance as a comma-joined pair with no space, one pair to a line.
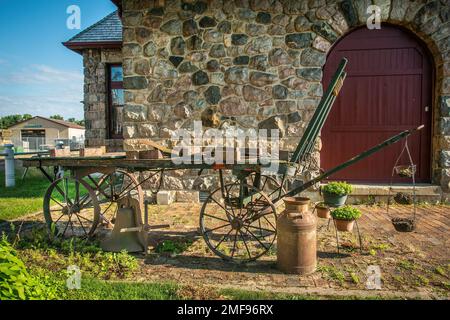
71,208
152,180
110,189
269,185
238,222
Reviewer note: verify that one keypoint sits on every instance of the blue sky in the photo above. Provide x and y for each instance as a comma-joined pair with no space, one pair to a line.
38,75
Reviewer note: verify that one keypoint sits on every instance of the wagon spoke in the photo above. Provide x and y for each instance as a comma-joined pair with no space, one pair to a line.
82,226
245,244
84,218
57,202
211,230
234,244
262,229
264,216
211,216
82,203
65,229
224,237
257,239
218,204
71,225
59,218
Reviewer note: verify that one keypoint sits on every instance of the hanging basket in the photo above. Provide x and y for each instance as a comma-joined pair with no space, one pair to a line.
404,224
403,198
405,171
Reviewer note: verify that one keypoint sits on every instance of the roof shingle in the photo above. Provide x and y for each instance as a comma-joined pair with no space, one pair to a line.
109,29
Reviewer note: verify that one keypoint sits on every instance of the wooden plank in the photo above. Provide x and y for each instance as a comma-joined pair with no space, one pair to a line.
92,152
64,152
138,165
157,146
150,154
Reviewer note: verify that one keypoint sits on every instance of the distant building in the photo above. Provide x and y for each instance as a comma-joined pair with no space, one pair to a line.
41,133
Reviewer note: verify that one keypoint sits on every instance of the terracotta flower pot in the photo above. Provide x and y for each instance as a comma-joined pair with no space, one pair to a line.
323,212
344,225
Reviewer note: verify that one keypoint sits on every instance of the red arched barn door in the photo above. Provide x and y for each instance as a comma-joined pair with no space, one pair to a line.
387,90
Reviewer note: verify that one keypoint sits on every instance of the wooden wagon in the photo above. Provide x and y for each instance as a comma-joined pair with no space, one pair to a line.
237,220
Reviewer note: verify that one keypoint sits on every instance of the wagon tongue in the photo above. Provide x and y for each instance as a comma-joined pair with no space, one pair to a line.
350,162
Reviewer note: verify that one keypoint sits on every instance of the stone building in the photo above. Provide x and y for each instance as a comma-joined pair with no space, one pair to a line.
156,66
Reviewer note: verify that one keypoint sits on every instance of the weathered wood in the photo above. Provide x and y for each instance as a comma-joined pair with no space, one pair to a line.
137,165
92,152
157,146
150,154
65,152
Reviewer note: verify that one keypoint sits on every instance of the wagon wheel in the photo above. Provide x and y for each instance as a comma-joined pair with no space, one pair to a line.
71,208
110,189
269,185
152,180
239,233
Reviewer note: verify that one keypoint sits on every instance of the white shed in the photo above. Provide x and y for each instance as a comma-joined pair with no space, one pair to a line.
39,133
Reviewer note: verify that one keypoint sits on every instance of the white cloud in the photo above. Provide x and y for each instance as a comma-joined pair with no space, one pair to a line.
42,74
68,105
42,90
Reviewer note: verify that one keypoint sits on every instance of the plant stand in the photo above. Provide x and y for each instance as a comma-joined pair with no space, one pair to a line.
336,230
337,235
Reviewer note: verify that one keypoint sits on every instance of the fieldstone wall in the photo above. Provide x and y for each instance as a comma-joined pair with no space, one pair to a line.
96,98
255,63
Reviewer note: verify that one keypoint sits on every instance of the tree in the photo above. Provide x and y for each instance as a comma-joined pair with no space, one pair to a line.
57,117
8,121
78,122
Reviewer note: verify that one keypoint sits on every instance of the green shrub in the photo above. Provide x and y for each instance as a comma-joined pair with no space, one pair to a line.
174,247
346,213
338,188
15,281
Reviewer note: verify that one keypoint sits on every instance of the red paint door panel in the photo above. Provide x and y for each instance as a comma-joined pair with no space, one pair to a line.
387,90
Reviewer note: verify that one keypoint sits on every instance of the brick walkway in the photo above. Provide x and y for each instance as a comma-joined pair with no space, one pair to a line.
415,263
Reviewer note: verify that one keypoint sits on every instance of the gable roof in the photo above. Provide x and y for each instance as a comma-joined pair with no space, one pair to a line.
106,33
60,122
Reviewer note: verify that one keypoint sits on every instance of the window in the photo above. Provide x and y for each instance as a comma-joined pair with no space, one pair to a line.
116,101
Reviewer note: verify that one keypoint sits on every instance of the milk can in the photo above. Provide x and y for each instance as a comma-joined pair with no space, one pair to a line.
296,237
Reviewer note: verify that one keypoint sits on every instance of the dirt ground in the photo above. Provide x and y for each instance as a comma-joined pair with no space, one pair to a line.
412,265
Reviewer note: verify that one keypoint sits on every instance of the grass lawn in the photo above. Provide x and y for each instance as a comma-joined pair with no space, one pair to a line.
94,289
25,198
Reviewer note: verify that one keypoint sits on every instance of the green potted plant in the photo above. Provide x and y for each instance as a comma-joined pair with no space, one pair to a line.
345,217
323,211
335,193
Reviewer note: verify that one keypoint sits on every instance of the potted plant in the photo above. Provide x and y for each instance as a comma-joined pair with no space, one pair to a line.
335,193
323,211
405,171
345,217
